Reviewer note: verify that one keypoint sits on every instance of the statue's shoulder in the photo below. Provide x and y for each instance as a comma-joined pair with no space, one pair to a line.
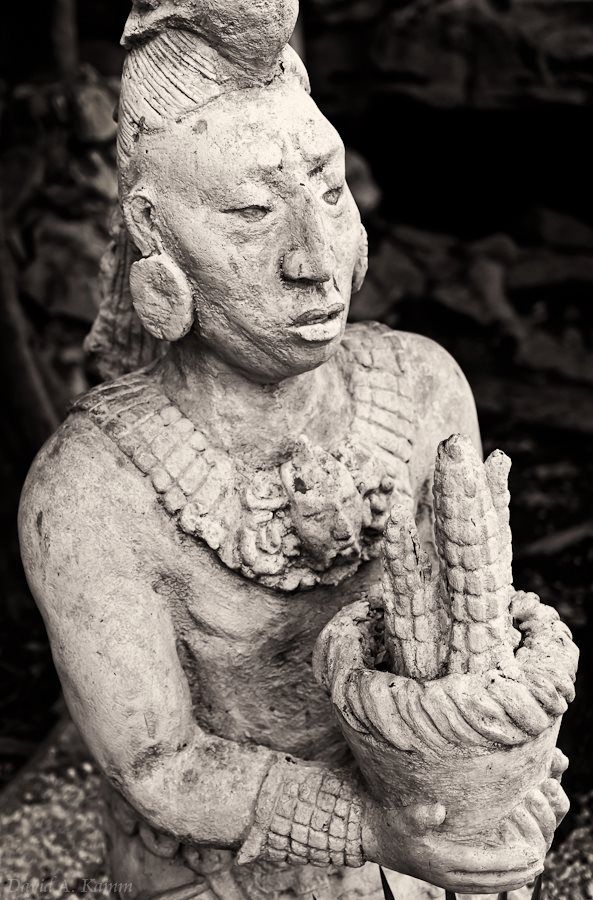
431,376
376,345
80,475
88,520
140,421
411,387
113,406
85,442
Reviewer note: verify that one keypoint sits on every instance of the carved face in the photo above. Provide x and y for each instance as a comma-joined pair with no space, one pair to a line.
326,508
249,198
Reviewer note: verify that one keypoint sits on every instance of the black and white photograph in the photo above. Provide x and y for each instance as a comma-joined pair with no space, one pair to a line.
296,357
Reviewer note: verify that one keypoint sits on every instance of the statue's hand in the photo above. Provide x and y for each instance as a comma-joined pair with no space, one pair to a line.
413,841
488,864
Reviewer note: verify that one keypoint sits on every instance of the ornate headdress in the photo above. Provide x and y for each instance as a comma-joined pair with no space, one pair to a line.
253,33
182,55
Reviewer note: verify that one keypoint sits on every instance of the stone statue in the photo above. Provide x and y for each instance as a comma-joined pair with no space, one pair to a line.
256,475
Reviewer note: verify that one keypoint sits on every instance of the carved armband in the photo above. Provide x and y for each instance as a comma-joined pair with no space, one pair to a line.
305,815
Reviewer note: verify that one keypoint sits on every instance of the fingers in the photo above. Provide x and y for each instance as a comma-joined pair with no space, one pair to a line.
491,882
507,861
554,793
486,880
497,869
488,865
559,764
537,803
527,827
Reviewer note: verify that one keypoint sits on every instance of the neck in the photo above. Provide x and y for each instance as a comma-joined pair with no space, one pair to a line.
259,422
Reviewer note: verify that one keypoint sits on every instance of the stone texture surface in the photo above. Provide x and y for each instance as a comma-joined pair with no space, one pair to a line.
51,824
191,528
449,679
50,820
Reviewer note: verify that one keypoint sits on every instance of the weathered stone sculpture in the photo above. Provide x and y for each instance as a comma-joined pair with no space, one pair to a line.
195,524
468,723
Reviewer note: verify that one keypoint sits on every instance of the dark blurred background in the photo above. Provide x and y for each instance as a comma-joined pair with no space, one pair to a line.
468,125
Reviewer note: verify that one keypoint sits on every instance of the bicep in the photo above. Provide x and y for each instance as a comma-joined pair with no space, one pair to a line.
111,634
114,649
93,545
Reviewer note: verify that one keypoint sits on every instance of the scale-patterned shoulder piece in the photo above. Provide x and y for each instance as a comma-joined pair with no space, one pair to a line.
167,448
383,402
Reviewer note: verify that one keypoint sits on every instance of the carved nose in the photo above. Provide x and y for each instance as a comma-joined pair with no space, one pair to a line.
302,265
342,529
310,258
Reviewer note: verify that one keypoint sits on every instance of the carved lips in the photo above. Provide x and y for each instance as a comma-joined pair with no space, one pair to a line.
319,325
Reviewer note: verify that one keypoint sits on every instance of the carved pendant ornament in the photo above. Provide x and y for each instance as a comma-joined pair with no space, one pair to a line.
311,520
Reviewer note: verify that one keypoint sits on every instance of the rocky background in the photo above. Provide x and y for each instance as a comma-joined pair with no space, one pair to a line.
470,145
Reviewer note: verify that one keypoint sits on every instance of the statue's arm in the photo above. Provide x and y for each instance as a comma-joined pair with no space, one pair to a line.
114,647
87,524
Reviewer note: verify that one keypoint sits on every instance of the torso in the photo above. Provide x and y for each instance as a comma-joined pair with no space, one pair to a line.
246,651
246,625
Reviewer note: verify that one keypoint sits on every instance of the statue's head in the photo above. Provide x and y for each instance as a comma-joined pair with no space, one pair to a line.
232,187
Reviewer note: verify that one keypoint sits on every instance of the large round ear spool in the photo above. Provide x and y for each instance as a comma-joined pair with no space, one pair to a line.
162,297
362,262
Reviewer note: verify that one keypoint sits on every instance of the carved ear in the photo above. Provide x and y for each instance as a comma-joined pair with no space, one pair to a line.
138,211
362,263
161,293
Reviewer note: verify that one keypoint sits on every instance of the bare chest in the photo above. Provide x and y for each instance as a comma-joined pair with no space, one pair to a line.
246,651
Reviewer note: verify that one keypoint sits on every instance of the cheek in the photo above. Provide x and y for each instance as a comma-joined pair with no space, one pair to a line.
232,293
245,275
352,225
239,258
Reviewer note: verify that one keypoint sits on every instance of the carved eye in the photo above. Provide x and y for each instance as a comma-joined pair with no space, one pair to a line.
251,213
333,195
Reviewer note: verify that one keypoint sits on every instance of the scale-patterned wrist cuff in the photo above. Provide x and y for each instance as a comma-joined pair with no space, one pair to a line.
306,815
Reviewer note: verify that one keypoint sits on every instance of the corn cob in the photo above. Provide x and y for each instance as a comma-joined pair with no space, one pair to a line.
473,538
415,621
456,621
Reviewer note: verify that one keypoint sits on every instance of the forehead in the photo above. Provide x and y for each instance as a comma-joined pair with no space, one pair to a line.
253,135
